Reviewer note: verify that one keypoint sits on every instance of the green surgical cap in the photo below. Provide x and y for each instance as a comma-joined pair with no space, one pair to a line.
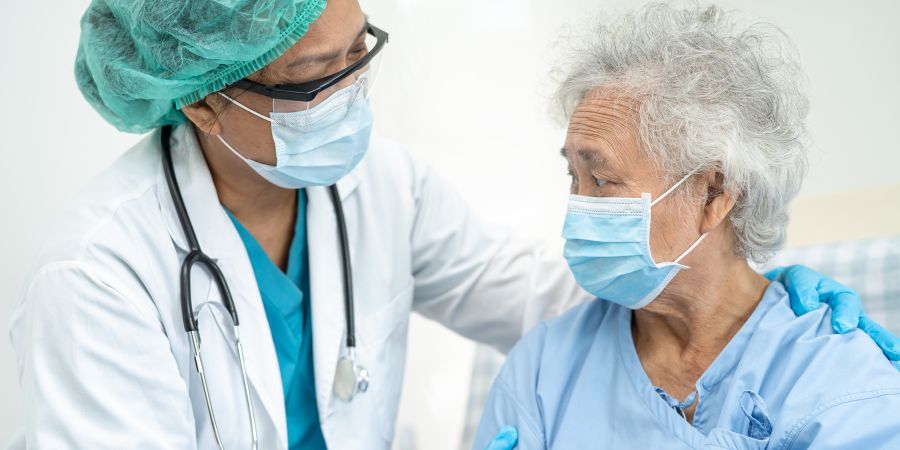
140,61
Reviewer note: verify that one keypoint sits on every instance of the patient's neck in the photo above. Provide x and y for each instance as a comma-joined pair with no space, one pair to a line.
680,333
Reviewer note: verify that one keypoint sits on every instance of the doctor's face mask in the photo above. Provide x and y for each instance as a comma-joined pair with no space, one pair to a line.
316,146
320,129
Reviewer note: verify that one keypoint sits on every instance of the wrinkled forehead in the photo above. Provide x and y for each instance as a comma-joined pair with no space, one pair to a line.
605,121
605,111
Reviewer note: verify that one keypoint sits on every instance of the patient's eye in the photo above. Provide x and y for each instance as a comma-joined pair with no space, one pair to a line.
599,177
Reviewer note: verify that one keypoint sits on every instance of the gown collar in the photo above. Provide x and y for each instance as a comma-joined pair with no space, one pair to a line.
721,368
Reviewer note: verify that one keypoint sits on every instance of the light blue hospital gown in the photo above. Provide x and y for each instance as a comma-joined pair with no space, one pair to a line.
783,382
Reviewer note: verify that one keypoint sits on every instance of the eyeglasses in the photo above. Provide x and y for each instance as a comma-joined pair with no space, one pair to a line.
306,92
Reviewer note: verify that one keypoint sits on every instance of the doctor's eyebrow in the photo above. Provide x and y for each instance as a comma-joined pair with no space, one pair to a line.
330,55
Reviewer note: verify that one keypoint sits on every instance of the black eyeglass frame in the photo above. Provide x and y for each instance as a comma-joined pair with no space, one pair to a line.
306,92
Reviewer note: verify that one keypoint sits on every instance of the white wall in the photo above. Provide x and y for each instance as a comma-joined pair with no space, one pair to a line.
52,144
463,86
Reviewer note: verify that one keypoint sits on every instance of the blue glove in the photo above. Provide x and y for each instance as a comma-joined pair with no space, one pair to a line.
808,289
506,439
887,341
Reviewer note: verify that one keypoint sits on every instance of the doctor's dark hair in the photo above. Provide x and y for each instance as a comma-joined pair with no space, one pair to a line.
712,95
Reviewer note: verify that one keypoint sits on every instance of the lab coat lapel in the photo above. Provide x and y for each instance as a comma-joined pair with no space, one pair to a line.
219,239
200,198
263,370
327,286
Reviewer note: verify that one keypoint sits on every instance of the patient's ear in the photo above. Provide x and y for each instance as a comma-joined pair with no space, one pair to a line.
719,202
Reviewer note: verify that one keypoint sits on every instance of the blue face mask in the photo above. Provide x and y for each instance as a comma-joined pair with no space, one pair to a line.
608,248
316,146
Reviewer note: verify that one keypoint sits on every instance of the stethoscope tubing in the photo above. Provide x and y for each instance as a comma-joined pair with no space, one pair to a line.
197,257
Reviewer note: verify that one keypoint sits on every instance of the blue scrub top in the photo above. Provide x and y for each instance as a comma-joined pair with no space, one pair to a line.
782,382
285,297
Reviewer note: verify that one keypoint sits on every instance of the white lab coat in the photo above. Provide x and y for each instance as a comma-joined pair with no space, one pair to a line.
103,358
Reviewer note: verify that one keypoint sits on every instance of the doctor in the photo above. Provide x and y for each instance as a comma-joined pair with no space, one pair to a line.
258,108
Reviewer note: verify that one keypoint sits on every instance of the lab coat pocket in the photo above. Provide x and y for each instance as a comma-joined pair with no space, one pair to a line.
378,325
382,348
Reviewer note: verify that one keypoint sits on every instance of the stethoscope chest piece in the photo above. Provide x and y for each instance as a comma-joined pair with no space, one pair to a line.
350,378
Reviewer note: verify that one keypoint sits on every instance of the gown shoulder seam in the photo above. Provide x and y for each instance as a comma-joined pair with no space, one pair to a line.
795,430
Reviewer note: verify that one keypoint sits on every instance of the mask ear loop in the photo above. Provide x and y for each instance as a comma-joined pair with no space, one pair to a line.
240,105
702,236
665,194
690,249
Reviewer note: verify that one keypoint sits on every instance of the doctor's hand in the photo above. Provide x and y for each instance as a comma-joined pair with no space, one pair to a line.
506,439
808,290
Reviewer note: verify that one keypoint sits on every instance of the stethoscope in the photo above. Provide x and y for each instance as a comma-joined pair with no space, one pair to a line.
350,377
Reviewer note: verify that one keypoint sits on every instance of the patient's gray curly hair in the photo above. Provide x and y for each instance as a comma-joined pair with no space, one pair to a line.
712,94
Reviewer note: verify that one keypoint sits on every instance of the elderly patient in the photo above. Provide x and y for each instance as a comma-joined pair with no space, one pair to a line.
686,142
